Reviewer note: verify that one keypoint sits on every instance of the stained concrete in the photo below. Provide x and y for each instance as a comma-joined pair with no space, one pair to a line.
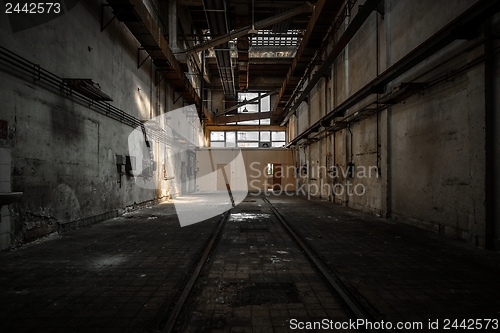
430,150
63,151
122,275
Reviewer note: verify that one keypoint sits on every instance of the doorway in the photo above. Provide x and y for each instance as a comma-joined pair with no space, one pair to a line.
274,174
223,176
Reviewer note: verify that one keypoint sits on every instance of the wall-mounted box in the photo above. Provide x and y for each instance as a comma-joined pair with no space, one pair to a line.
120,159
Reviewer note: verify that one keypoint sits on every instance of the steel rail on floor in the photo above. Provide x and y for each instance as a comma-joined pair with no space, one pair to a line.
174,314
353,304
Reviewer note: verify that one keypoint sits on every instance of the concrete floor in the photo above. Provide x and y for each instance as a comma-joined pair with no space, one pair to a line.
121,275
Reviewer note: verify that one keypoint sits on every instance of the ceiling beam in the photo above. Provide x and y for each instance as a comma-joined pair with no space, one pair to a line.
245,103
306,7
242,13
186,24
323,12
356,23
241,117
468,20
216,14
143,26
244,128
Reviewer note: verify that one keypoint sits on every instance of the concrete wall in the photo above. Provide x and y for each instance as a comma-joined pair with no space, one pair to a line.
431,150
254,166
63,152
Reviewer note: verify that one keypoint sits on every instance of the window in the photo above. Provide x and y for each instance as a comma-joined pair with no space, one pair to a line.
223,139
247,138
259,105
268,38
265,136
230,139
217,136
278,136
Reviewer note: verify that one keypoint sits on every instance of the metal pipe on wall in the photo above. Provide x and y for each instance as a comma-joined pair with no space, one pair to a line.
469,19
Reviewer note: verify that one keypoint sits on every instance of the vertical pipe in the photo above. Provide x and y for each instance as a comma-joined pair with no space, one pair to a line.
151,79
490,144
378,95
346,164
172,25
202,83
346,83
388,181
334,104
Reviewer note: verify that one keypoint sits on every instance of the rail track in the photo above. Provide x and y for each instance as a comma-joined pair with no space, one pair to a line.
354,308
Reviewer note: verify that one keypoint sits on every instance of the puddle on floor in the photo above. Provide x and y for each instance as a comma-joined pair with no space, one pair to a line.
107,262
248,217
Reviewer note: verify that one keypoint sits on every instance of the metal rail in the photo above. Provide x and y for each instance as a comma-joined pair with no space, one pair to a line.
24,66
456,29
16,65
333,280
174,314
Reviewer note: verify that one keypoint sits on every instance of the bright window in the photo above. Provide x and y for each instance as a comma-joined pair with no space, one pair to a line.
259,105
263,139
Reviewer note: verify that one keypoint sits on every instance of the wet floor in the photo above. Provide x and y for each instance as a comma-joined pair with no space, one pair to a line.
124,274
258,280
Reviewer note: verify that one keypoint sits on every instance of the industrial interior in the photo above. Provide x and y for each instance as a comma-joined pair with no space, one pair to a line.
250,166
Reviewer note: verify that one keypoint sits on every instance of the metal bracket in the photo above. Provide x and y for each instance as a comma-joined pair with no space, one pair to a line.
145,48
180,95
381,8
104,26
139,63
161,79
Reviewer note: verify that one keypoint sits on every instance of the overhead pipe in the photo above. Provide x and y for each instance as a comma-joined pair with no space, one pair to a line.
354,26
307,7
456,29
367,111
241,117
322,9
215,12
149,35
241,12
258,98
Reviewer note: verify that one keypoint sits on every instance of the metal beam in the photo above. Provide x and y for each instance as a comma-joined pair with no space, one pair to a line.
186,23
472,17
172,25
363,13
241,20
244,128
245,103
306,7
148,34
321,10
242,117
218,24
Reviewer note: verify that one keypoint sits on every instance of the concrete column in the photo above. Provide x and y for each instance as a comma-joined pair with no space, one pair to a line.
172,25
387,186
5,166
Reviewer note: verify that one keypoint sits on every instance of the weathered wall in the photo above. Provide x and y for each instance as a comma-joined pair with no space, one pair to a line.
63,152
255,163
431,150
